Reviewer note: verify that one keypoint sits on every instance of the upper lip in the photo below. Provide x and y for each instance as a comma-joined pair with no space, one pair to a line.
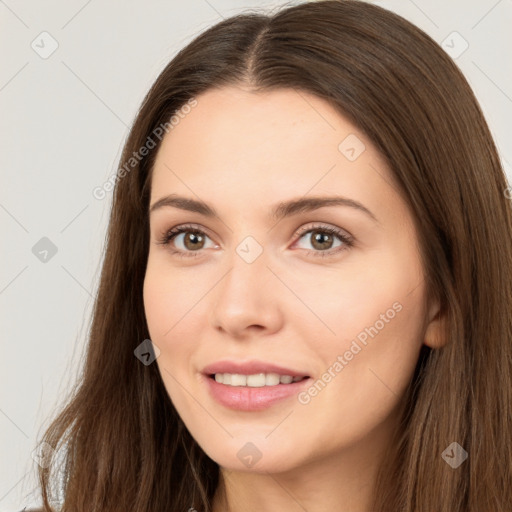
250,368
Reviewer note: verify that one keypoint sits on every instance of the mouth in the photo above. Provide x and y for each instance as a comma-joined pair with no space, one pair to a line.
253,385
251,393
255,380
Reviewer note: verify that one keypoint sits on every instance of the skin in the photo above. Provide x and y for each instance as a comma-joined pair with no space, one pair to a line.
242,153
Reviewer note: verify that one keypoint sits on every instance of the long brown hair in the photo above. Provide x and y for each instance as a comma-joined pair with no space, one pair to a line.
122,444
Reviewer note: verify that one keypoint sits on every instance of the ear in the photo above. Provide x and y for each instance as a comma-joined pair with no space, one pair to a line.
434,332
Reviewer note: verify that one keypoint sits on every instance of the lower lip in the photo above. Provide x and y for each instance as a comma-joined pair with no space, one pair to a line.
244,398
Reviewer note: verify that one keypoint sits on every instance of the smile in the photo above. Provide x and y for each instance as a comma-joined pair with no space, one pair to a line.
256,380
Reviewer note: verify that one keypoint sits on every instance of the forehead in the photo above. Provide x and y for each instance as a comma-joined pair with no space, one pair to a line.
237,148
280,120
233,133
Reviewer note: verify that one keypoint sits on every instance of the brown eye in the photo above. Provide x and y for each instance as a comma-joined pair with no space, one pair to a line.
323,240
185,240
193,240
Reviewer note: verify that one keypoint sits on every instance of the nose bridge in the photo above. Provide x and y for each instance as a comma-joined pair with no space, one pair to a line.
248,270
244,297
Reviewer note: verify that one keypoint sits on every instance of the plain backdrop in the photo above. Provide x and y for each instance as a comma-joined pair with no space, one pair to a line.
64,118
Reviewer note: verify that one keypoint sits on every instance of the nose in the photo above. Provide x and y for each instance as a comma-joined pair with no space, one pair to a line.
247,300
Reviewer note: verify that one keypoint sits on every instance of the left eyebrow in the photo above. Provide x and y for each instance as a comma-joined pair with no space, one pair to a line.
278,211
308,204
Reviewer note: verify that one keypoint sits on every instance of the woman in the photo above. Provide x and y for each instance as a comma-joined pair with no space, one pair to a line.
374,378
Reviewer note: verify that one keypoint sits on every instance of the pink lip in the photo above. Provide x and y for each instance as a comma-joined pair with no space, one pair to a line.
250,368
244,398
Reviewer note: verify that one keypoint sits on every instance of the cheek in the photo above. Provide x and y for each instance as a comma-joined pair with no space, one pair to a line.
156,301
375,315
164,306
374,289
168,295
173,309
373,360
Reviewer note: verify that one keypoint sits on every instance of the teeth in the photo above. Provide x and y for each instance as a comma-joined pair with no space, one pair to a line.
238,380
256,380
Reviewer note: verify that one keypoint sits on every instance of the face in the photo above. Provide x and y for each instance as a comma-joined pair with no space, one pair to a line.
333,292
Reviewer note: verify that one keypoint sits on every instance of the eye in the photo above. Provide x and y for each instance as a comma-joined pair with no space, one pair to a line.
322,238
192,241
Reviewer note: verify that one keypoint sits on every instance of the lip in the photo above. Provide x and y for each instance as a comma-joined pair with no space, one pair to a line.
250,368
245,398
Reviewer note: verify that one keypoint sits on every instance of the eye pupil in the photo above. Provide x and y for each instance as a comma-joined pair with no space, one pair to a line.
317,239
193,239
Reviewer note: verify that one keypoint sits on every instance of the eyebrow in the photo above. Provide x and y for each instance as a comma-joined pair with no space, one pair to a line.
279,211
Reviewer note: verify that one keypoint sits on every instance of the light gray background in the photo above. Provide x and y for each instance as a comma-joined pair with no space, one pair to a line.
63,122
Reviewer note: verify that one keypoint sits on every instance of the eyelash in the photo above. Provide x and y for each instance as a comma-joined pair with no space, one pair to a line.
186,228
